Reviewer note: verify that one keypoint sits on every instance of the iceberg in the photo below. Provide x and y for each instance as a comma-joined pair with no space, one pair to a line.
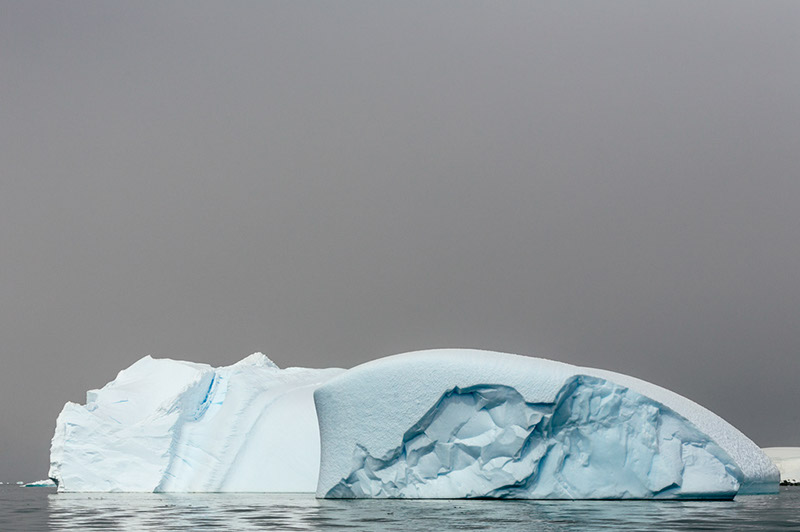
457,423
787,460
46,483
172,426
446,423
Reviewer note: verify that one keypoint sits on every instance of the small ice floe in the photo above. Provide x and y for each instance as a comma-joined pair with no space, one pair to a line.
46,483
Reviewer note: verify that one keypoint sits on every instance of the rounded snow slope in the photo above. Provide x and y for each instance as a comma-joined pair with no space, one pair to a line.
167,425
457,423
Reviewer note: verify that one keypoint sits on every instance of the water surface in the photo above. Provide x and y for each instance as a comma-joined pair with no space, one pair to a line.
44,509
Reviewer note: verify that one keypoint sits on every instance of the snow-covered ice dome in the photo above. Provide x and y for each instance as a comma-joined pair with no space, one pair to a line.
454,423
167,425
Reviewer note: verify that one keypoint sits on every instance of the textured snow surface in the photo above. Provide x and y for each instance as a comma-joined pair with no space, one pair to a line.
486,441
787,459
468,423
167,425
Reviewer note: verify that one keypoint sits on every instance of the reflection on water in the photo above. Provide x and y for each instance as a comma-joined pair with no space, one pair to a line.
304,512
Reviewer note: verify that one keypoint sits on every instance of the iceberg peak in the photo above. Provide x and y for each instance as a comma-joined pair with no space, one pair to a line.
259,360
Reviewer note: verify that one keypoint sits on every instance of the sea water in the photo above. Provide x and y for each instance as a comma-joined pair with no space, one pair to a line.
44,509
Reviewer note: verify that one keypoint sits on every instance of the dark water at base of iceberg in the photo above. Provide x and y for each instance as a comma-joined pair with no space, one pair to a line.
34,509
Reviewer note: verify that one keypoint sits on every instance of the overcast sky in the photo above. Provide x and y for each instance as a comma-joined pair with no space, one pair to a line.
613,184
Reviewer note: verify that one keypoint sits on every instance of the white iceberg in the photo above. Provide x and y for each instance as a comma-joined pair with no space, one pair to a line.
164,425
787,460
46,483
466,423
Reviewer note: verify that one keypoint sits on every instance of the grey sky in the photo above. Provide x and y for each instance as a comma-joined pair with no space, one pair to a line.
614,184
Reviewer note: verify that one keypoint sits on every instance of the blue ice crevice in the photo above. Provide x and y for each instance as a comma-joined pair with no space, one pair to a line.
597,440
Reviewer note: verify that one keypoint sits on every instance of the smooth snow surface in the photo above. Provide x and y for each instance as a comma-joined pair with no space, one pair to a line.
787,459
468,423
165,425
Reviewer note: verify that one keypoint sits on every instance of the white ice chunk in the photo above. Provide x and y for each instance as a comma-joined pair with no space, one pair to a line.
167,425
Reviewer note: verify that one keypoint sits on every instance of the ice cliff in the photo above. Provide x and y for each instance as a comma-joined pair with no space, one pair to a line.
166,425
467,423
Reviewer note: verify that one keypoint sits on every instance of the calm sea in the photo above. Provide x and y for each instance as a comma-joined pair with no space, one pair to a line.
43,509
